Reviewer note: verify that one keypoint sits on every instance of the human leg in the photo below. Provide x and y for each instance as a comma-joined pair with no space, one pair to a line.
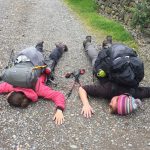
55,55
90,49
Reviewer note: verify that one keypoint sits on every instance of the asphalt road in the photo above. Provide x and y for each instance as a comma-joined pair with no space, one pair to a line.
25,22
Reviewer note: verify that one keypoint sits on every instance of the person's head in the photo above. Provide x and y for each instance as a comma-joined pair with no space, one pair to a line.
18,99
123,104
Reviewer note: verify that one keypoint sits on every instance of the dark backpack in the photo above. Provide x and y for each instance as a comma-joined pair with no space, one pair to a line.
121,65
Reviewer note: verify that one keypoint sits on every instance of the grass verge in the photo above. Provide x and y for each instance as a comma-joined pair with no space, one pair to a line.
87,11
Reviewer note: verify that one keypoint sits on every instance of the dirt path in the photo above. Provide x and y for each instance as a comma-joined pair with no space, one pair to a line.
23,23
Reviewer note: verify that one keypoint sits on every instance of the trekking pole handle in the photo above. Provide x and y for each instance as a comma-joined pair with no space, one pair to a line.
75,74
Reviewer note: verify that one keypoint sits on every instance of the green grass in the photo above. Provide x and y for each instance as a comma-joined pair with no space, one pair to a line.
87,11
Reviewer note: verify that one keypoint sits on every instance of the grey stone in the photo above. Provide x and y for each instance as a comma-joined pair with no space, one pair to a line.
108,10
126,19
73,146
102,7
130,145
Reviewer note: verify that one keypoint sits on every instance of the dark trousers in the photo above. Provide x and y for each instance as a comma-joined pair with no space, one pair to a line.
54,57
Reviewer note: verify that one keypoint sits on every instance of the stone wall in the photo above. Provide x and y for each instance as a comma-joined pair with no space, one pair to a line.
120,10
117,9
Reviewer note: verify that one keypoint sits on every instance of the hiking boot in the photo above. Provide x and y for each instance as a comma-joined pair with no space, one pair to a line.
62,46
39,46
109,39
87,39
107,43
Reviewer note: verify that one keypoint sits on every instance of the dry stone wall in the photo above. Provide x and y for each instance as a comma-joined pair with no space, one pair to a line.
118,9
121,10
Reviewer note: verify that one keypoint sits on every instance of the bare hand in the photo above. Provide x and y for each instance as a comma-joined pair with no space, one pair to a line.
87,111
58,117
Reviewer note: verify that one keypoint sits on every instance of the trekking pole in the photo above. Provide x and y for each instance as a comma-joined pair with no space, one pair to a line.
93,77
51,81
70,91
9,63
10,59
76,75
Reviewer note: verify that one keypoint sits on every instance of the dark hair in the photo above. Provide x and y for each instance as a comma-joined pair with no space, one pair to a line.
18,99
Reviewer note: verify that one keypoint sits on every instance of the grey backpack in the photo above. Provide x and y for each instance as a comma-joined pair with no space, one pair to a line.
24,73
21,75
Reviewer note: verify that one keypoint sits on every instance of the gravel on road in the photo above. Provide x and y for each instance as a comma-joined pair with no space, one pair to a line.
25,22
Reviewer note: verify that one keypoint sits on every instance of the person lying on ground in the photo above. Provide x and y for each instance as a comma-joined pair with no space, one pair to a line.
110,90
21,97
115,62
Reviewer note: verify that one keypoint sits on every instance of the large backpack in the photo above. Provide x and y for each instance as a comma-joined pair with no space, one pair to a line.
25,73
121,65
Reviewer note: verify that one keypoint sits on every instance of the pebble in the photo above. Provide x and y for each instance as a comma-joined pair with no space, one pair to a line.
148,144
107,118
130,145
14,136
112,141
76,139
73,146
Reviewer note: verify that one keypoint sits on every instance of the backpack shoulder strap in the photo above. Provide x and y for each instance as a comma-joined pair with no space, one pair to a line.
102,61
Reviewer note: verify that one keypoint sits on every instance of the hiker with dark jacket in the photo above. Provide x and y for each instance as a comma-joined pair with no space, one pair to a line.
109,89
21,96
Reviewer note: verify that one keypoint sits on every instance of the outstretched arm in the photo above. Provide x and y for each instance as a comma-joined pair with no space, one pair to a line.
57,97
87,110
58,117
5,87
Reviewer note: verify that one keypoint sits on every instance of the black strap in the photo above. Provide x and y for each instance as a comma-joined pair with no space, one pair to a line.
70,91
